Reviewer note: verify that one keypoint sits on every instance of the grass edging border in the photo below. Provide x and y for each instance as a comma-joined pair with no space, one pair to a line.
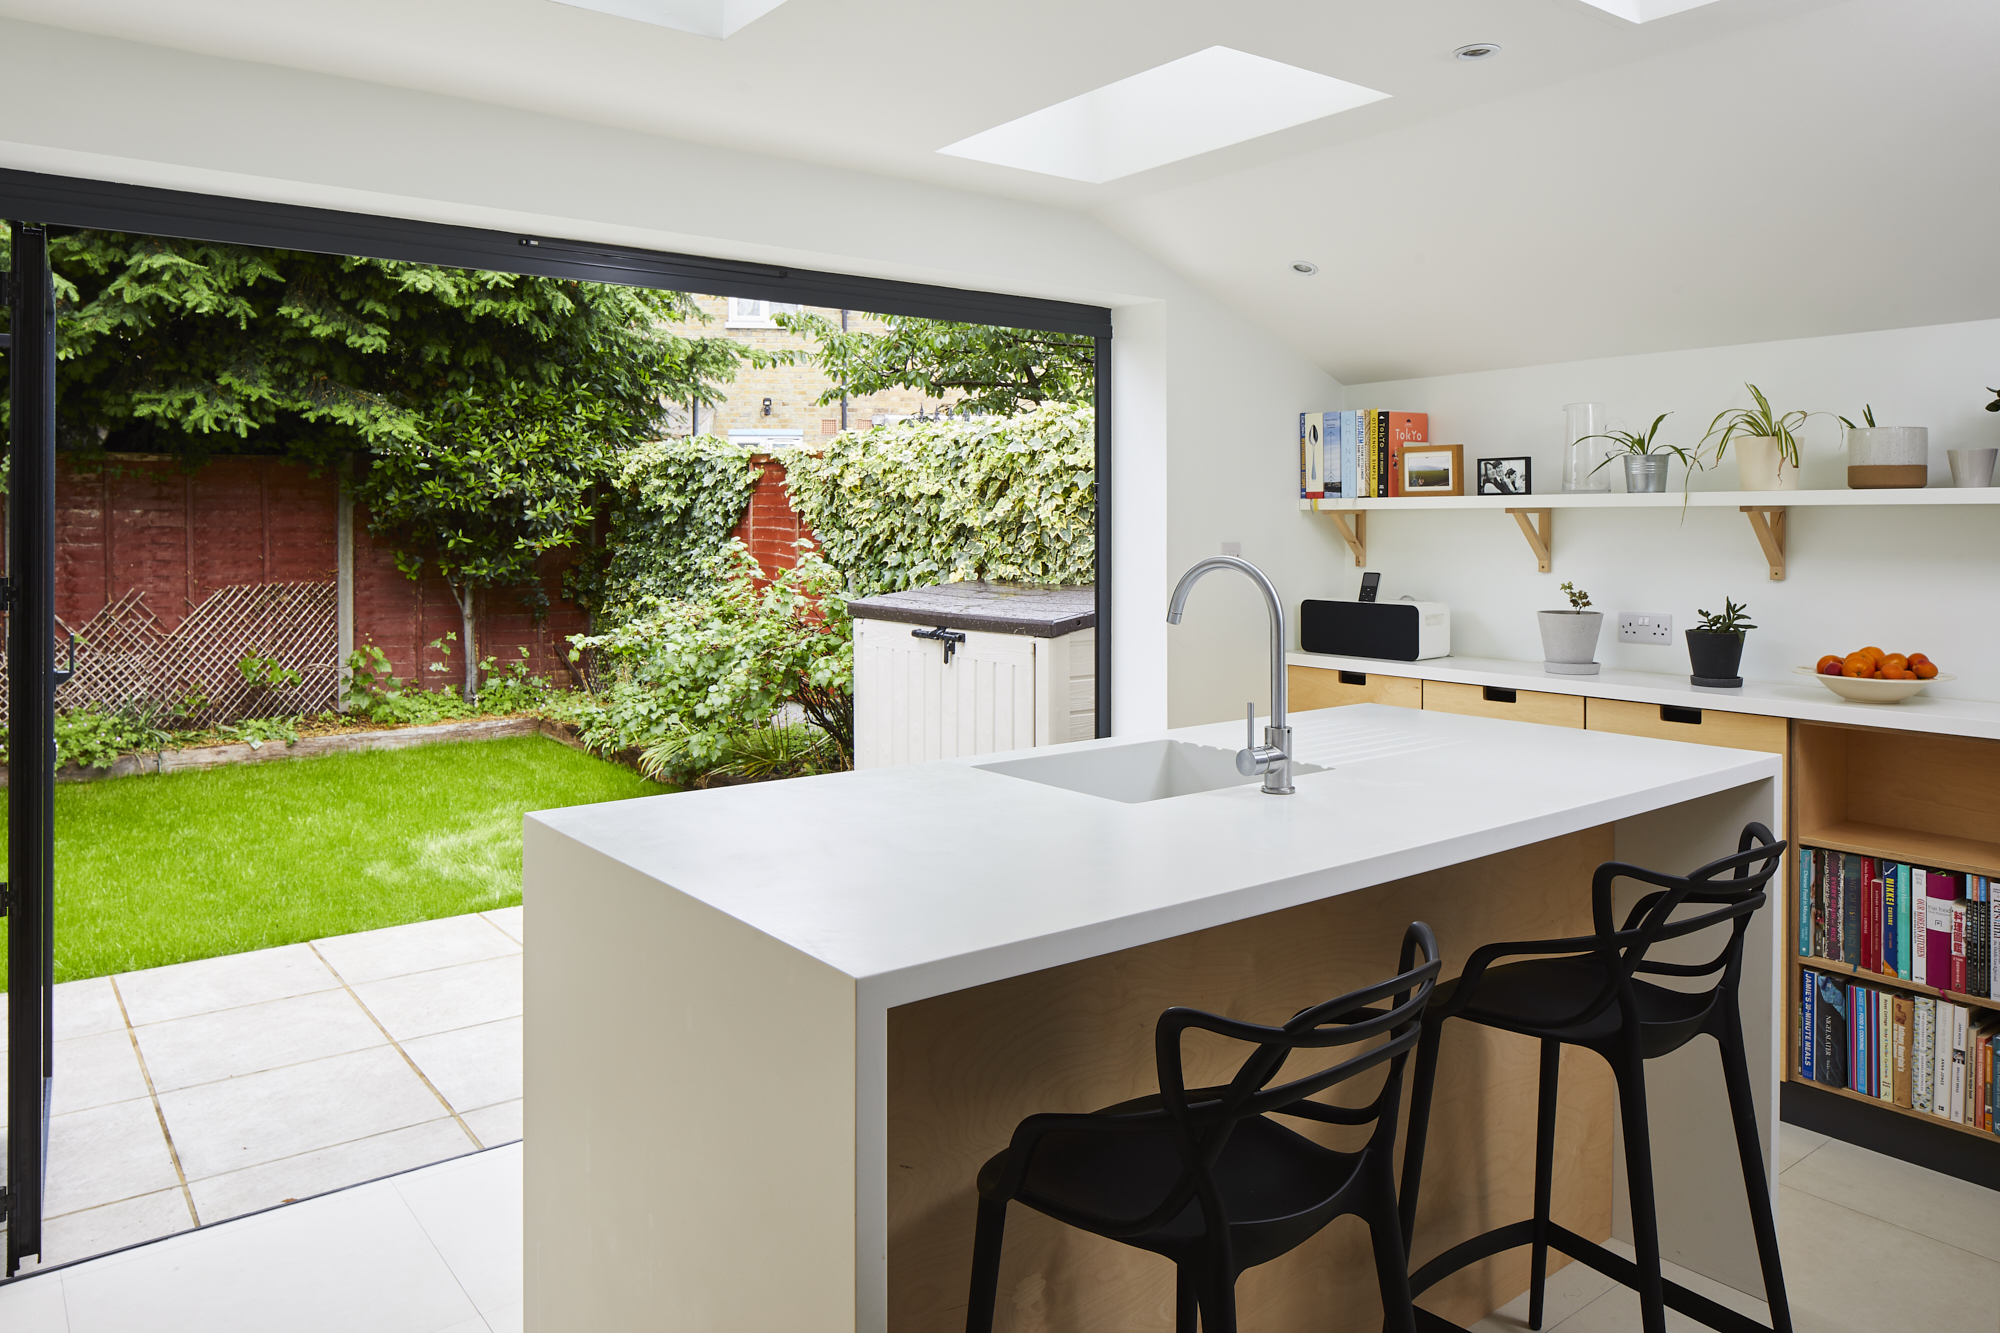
199,757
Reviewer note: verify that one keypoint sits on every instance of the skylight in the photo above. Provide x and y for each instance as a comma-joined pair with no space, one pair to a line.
1193,105
1643,11
703,18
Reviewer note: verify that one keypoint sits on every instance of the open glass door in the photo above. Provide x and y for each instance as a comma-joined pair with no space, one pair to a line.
27,596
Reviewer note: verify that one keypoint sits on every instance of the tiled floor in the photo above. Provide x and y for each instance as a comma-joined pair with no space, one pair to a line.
186,1095
1871,1246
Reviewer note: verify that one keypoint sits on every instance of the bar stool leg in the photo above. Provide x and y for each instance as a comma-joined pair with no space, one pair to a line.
1422,1085
1392,1263
1185,1306
1545,1155
1743,1110
985,1265
1630,1067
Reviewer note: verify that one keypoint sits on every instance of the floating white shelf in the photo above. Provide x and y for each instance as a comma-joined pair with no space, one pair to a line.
1536,513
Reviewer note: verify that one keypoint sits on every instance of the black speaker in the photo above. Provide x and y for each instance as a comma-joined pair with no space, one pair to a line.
1394,631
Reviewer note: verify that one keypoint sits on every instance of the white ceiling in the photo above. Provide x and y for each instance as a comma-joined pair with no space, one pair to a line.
1745,170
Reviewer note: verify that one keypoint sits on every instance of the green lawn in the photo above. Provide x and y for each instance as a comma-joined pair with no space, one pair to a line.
162,869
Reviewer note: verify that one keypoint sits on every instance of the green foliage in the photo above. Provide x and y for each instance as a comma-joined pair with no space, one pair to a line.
1994,406
695,673
374,693
942,501
1578,599
193,348
94,736
255,731
759,754
674,504
266,673
996,369
1642,444
1761,421
1732,619
1867,418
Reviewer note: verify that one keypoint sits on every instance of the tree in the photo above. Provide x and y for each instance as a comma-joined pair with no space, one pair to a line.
487,487
193,348
996,369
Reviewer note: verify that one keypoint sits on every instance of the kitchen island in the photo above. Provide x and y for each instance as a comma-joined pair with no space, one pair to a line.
773,1030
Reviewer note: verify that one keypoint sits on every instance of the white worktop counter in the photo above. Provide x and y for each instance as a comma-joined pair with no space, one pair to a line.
1793,697
920,880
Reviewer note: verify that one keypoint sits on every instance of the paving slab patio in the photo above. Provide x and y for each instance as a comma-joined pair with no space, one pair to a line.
190,1094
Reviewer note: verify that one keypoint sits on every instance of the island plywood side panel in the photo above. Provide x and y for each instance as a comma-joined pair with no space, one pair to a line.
677,1180
965,1067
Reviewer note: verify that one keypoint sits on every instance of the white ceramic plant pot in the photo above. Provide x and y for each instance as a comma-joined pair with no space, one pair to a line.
1569,641
1759,465
1888,457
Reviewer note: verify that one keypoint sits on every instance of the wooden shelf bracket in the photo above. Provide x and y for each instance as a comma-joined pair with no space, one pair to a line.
1768,522
1542,540
1353,526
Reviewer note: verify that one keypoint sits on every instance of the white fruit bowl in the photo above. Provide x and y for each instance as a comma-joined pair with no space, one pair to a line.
1858,691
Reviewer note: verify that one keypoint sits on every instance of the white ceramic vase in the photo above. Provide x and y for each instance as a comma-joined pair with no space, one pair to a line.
1569,641
1888,457
1760,466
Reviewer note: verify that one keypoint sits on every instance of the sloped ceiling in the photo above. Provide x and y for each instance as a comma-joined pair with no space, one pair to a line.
1750,169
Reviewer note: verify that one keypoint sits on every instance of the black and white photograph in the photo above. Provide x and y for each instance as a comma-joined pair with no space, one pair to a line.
1506,476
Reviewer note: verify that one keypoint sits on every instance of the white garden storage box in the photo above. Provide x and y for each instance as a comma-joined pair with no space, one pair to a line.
972,668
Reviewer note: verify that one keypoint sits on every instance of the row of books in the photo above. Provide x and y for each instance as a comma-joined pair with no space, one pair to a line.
1356,455
1914,1051
1932,927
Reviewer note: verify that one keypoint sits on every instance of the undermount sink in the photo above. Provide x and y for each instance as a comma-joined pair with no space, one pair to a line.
1143,771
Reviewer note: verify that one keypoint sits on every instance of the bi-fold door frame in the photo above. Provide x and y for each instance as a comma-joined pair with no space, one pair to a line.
61,201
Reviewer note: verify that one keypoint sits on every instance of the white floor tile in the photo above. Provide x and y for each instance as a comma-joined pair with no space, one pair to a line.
472,1067
34,1306
494,1124
471,1210
472,1325
95,1071
1795,1145
230,1043
352,1261
1930,1204
508,919
452,997
1848,1271
106,1154
243,1122
507,1319
308,1174
419,947
83,1008
113,1225
1569,1289
161,993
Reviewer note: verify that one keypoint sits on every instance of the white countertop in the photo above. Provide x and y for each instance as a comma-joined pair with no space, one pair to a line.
1798,697
929,878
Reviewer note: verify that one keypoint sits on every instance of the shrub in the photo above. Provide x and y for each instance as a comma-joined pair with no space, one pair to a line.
675,504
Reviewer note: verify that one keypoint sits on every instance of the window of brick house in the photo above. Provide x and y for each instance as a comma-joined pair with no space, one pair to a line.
754,314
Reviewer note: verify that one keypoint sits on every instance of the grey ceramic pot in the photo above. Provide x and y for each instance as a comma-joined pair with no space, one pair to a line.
1645,473
1569,641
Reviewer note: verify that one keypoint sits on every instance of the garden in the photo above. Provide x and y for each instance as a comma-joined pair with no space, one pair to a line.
490,424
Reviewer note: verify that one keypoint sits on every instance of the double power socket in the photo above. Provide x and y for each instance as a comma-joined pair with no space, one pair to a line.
1645,627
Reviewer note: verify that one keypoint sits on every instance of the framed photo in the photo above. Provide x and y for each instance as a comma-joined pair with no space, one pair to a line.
1506,476
1433,469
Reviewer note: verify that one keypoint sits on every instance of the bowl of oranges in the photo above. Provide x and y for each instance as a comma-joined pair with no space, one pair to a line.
1871,676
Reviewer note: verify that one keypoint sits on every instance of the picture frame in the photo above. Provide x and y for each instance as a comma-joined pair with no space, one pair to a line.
1433,469
1506,476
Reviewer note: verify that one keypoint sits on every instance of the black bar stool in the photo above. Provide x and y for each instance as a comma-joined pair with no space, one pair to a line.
1592,998
1202,1177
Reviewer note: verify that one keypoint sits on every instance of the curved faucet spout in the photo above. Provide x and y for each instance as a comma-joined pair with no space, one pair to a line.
1274,756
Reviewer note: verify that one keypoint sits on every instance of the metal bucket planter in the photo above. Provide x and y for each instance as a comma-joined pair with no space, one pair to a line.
1645,474
1569,641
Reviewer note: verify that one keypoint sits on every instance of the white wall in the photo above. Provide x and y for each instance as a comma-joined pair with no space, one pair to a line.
1903,578
1198,392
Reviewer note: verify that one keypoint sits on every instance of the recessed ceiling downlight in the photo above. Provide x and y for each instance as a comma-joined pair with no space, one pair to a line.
1185,107
1304,266
1477,51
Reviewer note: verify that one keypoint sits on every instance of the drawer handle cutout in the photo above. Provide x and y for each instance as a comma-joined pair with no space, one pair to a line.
1496,695
1354,678
1669,713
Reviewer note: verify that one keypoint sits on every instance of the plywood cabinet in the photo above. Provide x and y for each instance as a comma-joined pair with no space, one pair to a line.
1319,687
1698,726
1551,710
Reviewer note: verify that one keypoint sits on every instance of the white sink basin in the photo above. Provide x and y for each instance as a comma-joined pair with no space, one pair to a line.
1143,771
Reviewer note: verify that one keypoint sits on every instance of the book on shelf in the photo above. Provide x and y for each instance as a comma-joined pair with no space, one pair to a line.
1356,454
1898,920
1916,1052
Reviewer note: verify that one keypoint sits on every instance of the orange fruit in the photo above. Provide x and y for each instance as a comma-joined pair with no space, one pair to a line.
1861,668
1896,660
1895,673
1828,665
1917,657
1874,652
1925,670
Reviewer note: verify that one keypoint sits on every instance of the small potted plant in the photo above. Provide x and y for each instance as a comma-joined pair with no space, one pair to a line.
1569,638
1645,463
1767,456
1715,646
1886,457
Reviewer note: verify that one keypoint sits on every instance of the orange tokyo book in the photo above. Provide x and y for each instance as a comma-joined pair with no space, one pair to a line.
1404,428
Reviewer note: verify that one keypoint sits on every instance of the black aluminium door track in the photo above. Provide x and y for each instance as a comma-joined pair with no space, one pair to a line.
30,610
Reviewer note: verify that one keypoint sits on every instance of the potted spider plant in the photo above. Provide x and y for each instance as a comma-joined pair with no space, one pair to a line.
1886,457
1645,462
1569,638
1715,646
1767,456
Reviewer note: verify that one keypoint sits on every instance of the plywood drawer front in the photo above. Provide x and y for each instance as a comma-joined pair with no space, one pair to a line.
1551,710
1702,726
1319,687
